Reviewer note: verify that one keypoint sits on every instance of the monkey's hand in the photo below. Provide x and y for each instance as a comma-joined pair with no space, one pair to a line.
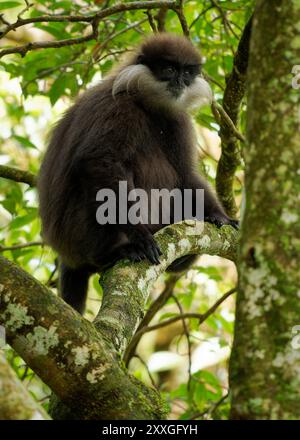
142,245
220,219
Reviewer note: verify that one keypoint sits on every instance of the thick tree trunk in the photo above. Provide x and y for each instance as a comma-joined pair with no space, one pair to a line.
265,368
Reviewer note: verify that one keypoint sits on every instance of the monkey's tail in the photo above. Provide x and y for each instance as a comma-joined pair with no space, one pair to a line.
73,284
182,263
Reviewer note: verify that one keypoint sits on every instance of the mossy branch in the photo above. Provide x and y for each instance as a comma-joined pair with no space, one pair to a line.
78,358
126,287
17,175
233,95
15,401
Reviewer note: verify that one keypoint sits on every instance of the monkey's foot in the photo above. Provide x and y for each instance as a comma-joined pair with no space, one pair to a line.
145,248
221,220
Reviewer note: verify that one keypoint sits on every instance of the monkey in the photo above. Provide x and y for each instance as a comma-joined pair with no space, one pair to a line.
132,127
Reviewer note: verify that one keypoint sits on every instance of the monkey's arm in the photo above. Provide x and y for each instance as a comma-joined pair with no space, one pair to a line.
213,210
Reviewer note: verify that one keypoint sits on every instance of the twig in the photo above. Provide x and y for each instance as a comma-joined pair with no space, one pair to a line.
216,107
151,21
225,20
199,16
113,36
148,371
22,50
2,19
187,334
121,7
17,175
181,17
28,6
20,246
50,281
201,318
161,17
211,410
212,80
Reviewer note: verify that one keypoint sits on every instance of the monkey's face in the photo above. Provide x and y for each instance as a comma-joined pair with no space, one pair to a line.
177,77
165,74
181,82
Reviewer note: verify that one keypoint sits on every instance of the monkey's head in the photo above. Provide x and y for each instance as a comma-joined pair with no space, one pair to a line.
165,71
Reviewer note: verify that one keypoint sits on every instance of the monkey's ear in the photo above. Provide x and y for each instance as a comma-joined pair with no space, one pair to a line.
140,59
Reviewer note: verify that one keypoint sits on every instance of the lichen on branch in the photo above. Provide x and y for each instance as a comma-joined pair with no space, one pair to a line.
75,357
16,403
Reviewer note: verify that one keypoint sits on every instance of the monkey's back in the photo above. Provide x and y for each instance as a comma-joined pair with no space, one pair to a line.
91,146
60,183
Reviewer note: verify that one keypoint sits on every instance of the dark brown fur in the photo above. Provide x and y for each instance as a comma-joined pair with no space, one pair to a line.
104,139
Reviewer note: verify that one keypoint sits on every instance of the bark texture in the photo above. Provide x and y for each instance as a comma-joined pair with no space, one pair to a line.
233,96
82,361
265,364
15,401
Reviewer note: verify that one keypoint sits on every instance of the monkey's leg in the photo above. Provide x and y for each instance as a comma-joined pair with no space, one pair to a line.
134,252
73,286
141,244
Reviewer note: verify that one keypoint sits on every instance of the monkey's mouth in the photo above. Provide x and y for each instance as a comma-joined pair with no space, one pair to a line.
176,92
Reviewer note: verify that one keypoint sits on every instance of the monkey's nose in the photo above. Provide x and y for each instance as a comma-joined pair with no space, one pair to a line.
179,83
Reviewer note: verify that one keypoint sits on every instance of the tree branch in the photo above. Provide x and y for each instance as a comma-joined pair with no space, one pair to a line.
20,246
17,175
126,287
153,309
93,19
78,358
22,50
233,95
68,353
146,329
160,18
181,17
15,401
222,117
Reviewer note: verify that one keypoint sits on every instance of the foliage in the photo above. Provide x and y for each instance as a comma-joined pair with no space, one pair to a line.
34,90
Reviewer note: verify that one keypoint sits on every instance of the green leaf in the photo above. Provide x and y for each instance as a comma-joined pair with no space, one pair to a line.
9,5
18,222
57,89
212,272
24,141
167,316
57,30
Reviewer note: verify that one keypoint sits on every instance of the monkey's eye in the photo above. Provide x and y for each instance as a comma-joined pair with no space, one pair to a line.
188,71
168,70
191,71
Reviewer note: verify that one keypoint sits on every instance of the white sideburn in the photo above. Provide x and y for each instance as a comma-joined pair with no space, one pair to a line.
139,78
197,94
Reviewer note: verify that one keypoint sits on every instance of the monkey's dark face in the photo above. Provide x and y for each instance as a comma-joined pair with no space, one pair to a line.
164,75
176,76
